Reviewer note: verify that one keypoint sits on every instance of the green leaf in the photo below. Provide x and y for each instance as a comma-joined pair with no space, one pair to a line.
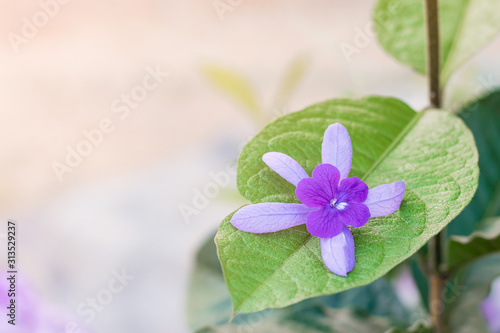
432,151
307,318
463,250
209,302
472,287
291,80
235,86
420,280
466,26
483,119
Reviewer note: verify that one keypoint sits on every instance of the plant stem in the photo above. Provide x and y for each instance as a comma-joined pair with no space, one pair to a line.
433,52
437,274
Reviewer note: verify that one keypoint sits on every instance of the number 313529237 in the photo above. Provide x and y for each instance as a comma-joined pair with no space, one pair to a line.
11,246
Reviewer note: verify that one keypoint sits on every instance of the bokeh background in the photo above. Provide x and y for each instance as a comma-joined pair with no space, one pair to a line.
121,208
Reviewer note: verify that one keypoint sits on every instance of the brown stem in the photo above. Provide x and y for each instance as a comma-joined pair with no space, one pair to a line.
437,274
433,52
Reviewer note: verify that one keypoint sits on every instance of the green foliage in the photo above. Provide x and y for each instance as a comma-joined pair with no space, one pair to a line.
483,119
293,76
235,86
463,250
417,328
466,26
420,279
432,151
471,287
308,318
208,299
209,302
241,90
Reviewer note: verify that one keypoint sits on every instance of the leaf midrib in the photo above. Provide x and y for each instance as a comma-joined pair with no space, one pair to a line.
389,149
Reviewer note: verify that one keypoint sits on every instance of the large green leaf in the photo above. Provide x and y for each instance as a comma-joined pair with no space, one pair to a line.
463,250
209,302
432,151
471,288
466,26
307,318
483,118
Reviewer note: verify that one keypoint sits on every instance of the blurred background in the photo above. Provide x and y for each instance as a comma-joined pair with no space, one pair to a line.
120,123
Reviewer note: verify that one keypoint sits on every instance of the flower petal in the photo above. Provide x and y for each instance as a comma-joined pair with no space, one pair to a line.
352,190
337,149
319,190
285,166
353,214
269,217
338,252
385,199
324,222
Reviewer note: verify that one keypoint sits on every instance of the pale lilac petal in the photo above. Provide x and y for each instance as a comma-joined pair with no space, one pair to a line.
352,190
270,217
319,190
385,199
337,149
324,222
353,214
285,166
338,252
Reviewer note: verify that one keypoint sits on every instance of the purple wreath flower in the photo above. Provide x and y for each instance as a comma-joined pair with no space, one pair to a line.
330,201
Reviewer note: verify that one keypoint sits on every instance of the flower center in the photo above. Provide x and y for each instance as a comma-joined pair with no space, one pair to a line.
339,206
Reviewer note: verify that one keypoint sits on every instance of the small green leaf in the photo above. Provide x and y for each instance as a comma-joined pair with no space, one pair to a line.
471,288
463,250
483,119
433,152
466,26
307,318
235,86
291,80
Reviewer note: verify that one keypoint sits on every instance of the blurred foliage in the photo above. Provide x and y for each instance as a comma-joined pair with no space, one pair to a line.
463,250
465,28
235,86
308,318
209,302
242,91
471,286
483,119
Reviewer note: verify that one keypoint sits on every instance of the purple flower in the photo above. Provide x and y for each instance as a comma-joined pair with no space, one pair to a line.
330,201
